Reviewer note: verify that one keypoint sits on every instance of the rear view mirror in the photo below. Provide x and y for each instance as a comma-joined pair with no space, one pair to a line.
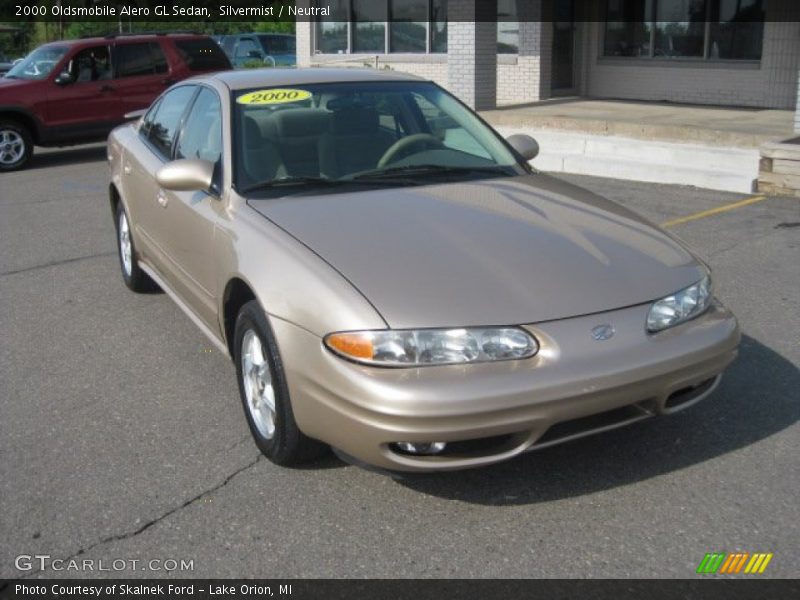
186,175
525,145
64,78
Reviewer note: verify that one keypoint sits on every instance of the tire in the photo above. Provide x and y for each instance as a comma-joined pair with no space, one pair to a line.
136,279
16,145
262,381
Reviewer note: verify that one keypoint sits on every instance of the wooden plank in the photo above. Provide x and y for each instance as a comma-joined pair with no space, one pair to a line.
785,151
787,181
787,167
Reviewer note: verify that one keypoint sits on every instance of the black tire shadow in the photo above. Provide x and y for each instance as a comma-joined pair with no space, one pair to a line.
758,397
67,156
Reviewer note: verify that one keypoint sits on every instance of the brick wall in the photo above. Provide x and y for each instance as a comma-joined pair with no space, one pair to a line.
304,41
472,54
797,110
772,84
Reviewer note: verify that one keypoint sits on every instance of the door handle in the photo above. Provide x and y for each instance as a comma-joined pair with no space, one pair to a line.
106,88
167,81
162,199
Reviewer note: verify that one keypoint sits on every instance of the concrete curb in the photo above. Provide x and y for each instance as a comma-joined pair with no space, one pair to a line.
731,169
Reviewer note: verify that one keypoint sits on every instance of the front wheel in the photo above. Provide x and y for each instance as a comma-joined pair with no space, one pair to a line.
133,276
16,145
265,394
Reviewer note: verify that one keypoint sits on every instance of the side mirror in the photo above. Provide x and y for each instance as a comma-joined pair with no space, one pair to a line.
64,78
186,175
254,54
527,147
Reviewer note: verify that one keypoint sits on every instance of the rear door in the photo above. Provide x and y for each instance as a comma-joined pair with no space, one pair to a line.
141,74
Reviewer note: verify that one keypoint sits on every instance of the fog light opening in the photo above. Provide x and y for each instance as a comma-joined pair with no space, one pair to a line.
420,448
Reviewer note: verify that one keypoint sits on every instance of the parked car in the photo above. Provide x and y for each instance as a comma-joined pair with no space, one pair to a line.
392,278
271,49
77,91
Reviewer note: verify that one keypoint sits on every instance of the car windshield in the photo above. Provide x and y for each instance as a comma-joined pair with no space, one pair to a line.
362,133
38,64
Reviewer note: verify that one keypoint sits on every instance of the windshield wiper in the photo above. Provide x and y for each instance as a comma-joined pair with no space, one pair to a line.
411,170
316,181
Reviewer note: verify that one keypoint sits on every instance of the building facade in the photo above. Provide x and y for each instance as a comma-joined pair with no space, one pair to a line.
501,52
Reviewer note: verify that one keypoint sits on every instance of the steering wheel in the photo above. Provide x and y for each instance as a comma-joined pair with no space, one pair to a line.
404,143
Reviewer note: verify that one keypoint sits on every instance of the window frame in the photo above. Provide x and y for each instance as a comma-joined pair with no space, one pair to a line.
216,184
705,59
145,135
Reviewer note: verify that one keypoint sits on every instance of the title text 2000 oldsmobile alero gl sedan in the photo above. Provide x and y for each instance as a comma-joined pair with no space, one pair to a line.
392,279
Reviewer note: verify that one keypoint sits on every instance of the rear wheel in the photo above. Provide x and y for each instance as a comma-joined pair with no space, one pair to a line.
265,394
16,145
136,279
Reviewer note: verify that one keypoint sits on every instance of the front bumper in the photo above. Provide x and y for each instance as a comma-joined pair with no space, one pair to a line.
492,411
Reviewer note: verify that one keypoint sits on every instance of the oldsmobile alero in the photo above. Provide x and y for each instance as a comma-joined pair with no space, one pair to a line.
391,278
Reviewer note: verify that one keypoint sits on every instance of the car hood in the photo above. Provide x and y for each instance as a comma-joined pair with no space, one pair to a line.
491,252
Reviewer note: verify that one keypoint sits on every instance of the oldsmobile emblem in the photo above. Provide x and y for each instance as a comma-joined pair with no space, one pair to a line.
603,332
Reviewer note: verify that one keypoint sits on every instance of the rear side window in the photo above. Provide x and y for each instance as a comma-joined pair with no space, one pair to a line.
202,55
134,60
160,129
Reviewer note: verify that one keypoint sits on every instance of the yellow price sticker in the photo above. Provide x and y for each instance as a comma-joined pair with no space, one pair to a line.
276,96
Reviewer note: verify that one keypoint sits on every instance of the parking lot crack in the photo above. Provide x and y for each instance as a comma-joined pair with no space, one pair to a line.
56,263
132,534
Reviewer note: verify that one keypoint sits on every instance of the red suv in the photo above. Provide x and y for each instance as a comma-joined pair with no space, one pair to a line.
77,91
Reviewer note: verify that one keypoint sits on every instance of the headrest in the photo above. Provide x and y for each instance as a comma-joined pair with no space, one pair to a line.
355,121
299,122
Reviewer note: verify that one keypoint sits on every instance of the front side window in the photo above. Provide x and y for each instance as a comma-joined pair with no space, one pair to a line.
684,29
202,134
160,128
38,64
393,133
90,64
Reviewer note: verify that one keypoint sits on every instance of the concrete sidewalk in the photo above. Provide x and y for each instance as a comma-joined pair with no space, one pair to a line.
710,147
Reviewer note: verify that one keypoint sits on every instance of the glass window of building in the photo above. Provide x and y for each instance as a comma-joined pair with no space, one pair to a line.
332,30
369,26
684,29
507,27
438,25
408,31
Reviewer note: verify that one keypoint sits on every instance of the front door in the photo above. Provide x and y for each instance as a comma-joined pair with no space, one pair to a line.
85,107
188,219
563,82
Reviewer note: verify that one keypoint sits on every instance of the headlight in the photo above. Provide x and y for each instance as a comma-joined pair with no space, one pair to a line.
680,306
411,348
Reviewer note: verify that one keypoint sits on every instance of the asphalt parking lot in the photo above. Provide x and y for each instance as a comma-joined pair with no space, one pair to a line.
122,436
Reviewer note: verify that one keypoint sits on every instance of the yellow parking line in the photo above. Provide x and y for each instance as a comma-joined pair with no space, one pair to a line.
714,211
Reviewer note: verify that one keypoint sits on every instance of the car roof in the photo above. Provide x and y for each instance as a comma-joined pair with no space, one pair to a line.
251,78
124,38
